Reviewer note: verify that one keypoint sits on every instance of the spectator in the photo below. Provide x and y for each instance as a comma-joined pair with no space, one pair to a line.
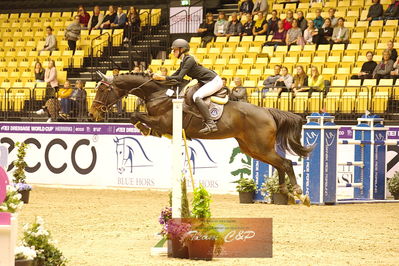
260,26
136,69
300,80
248,26
260,6
392,12
302,22
324,34
132,25
394,53
95,20
332,17
383,69
206,29
367,68
51,107
271,80
375,11
284,82
238,93
50,77
316,81
279,36
64,95
310,33
51,41
79,97
395,71
164,71
39,72
294,35
340,33
109,18
319,20
120,19
246,7
72,33
272,23
224,80
221,25
84,17
234,27
288,20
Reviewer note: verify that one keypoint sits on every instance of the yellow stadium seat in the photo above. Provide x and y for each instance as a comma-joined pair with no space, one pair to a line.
268,50
348,102
255,74
362,102
261,62
380,102
253,51
332,102
242,73
259,40
247,63
370,82
285,101
315,102
305,60
385,82
300,103
270,99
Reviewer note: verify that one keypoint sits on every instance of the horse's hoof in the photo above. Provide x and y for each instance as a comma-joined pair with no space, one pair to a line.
306,201
283,189
298,189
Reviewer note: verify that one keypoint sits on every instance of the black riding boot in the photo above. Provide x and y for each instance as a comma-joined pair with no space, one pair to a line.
210,125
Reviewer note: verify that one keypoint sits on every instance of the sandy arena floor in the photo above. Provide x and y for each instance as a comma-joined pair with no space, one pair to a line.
117,227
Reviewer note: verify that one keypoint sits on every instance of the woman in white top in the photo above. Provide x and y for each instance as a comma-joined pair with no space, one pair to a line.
310,32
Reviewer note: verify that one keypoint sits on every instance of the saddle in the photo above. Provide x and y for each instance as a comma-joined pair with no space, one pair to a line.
215,102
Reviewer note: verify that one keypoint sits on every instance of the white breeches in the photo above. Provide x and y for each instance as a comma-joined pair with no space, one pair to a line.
209,88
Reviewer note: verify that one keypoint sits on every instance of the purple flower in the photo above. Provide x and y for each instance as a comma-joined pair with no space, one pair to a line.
22,187
176,229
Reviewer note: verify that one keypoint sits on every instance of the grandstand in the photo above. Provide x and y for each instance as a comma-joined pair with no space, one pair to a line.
22,36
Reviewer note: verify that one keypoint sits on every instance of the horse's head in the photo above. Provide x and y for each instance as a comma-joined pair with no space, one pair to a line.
106,97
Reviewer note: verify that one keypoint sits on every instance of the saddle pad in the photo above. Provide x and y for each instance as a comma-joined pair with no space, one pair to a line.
216,110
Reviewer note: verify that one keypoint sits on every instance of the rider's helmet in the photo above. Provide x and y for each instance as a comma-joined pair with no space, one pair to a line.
181,43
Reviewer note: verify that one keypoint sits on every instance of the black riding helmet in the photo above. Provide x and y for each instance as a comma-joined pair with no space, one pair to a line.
181,43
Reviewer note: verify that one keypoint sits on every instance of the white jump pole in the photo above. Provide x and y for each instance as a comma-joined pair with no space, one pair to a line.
177,156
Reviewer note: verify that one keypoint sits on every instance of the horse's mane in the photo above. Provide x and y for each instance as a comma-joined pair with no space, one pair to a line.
148,76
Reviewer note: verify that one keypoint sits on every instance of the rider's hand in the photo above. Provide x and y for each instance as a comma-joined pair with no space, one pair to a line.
158,77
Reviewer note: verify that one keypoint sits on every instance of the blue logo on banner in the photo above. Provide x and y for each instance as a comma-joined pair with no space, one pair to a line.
129,149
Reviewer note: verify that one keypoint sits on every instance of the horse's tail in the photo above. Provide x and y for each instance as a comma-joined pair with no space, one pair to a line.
289,130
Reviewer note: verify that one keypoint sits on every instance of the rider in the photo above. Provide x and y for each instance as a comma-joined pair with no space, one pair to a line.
190,67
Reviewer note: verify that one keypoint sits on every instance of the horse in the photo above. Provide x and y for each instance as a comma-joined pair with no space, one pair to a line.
256,129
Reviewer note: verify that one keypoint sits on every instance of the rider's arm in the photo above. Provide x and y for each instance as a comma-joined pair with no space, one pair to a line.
183,70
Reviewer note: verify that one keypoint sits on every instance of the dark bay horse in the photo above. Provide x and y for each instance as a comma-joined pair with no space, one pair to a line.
256,129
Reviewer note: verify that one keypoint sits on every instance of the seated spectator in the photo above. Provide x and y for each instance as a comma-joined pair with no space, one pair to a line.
395,71
319,20
260,26
64,95
271,80
120,19
279,36
294,35
79,97
234,27
316,81
260,6
392,12
206,30
367,68
340,33
109,18
300,80
302,22
39,72
84,17
383,69
375,11
238,93
72,33
95,20
246,7
288,20
332,17
324,34
392,51
248,26
51,41
310,33
221,25
132,25
272,23
284,82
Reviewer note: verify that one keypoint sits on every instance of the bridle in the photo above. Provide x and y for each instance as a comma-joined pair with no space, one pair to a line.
102,106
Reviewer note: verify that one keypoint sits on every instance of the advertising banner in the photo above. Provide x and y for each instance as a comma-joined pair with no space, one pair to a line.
185,19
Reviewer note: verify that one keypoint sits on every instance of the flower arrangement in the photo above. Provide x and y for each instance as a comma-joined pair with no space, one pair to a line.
13,202
20,164
166,215
25,253
175,230
393,185
245,185
23,187
37,237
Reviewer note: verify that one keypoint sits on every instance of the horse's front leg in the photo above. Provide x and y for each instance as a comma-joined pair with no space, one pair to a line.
147,125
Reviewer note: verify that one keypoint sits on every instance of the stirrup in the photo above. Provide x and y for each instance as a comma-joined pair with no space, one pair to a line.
209,128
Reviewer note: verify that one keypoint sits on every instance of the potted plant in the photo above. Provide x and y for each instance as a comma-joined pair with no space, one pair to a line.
47,254
393,186
12,202
24,256
175,230
246,188
19,172
271,190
